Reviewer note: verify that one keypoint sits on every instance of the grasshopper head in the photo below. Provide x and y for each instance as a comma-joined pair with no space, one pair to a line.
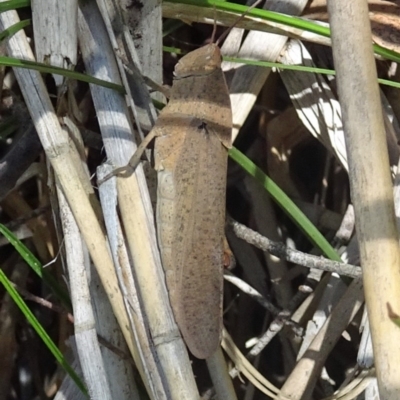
202,61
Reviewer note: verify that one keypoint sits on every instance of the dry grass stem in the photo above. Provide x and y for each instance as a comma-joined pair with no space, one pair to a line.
371,186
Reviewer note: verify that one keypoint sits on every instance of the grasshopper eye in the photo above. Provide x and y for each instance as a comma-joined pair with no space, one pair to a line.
202,126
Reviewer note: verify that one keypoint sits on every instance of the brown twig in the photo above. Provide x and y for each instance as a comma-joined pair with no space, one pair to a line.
291,255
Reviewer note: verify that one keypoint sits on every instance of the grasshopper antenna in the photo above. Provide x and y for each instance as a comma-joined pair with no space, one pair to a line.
214,32
225,34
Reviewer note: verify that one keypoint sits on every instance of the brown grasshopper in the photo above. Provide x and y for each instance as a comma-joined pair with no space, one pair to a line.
192,138
193,134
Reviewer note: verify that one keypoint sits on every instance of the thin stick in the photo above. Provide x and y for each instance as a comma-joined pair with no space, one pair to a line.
294,256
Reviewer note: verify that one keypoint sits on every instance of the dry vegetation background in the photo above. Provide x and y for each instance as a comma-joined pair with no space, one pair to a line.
274,307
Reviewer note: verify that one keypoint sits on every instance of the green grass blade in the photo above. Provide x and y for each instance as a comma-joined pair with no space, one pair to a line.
272,16
40,331
267,64
286,204
14,29
284,19
17,63
35,264
13,5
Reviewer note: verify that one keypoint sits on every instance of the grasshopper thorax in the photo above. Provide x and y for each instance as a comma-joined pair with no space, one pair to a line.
202,61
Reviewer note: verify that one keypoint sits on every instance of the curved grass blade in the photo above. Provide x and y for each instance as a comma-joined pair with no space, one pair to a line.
286,204
295,22
14,29
17,63
41,331
13,5
35,264
299,68
267,15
